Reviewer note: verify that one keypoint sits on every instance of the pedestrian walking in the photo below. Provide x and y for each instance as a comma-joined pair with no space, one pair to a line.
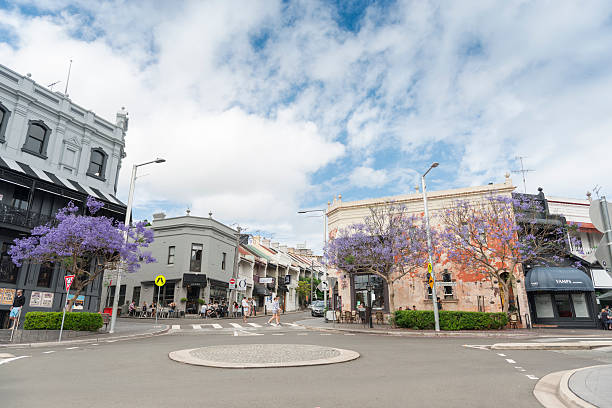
254,304
245,309
603,317
18,303
275,312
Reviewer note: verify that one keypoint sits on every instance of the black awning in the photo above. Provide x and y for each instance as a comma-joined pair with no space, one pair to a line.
194,279
558,279
259,289
153,282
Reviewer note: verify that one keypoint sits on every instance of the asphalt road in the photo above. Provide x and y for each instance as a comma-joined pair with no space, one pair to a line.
391,372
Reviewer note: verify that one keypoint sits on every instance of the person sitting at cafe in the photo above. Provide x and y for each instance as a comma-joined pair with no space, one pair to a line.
203,310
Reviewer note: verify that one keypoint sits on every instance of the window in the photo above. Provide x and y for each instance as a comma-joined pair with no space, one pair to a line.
8,270
45,276
378,290
447,282
37,138
4,116
223,261
166,296
171,250
21,196
110,296
97,164
196,257
122,295
136,295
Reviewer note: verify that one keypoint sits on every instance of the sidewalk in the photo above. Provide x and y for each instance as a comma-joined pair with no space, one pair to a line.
124,330
319,324
583,388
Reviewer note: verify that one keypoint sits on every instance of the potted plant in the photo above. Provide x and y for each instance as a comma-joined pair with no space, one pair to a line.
183,299
201,301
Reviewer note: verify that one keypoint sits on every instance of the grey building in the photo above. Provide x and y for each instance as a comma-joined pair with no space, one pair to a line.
196,256
52,151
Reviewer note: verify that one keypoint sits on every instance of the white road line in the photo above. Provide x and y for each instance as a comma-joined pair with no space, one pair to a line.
236,325
509,360
235,333
302,334
49,352
349,334
531,377
111,341
71,348
292,324
476,346
214,325
254,324
196,327
8,360
246,333
95,344
500,354
6,355
176,327
325,334
278,334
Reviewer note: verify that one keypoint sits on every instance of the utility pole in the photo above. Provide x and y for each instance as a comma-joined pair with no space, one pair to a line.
429,250
236,264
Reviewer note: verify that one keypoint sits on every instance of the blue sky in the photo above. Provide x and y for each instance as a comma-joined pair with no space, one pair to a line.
286,104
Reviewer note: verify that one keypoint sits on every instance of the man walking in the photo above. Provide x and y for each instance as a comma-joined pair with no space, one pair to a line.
275,312
254,306
18,303
245,309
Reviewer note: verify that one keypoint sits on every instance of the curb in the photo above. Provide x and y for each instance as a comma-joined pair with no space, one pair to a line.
164,330
587,345
412,334
552,391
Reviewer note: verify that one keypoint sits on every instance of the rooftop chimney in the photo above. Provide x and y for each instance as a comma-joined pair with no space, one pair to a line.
159,216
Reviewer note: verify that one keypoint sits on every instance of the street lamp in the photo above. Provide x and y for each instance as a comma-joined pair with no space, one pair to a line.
324,245
369,288
429,249
128,216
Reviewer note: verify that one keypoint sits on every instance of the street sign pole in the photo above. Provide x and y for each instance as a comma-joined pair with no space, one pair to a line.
606,241
68,282
157,308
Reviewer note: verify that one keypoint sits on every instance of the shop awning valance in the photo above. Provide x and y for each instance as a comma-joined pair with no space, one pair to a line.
560,279
194,279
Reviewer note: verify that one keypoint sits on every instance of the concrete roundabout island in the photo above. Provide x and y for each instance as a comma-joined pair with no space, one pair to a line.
262,355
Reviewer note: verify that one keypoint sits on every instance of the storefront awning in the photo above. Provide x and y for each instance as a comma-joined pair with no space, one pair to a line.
259,289
558,279
194,279
601,279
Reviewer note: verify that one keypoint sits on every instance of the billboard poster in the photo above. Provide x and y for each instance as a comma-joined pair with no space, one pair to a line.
6,296
78,303
35,298
47,299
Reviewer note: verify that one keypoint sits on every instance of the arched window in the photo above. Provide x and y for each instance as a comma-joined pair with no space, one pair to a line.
37,139
97,164
4,116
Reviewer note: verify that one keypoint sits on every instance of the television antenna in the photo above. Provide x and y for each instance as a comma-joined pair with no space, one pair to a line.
523,171
596,189
50,86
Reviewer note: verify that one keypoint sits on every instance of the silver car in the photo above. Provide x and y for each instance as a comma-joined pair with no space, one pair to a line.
318,308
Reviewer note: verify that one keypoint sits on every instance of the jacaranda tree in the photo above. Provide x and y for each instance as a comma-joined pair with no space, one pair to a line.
389,243
85,245
491,237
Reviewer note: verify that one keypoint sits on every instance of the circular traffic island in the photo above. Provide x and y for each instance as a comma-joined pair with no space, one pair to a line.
263,355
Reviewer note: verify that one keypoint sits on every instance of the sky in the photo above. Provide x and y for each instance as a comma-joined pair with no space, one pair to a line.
263,108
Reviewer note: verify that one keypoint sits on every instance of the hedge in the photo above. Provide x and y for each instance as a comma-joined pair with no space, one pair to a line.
79,321
450,320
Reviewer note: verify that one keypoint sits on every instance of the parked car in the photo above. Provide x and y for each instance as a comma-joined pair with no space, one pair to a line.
318,308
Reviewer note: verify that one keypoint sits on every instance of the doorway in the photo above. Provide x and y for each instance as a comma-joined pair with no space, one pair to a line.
193,294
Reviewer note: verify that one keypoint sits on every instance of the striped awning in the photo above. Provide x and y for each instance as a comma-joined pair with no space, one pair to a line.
57,180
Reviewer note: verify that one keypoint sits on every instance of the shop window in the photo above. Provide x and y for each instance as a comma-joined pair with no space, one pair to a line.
8,270
45,276
378,290
564,307
166,295
223,261
196,257
136,295
110,296
580,305
122,295
544,306
21,196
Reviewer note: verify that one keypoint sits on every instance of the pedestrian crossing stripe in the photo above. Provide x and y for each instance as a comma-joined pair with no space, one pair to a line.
234,326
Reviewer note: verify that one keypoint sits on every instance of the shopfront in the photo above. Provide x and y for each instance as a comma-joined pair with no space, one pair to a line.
194,283
218,291
602,281
379,292
561,297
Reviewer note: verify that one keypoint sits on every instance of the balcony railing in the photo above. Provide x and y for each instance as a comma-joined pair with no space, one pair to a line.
17,216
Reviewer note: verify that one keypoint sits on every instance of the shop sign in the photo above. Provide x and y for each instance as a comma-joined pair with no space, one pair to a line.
78,303
446,283
6,296
266,280
242,284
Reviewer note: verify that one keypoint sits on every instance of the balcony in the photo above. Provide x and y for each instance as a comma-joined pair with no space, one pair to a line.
19,217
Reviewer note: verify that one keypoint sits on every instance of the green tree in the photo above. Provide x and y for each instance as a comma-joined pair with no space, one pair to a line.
303,290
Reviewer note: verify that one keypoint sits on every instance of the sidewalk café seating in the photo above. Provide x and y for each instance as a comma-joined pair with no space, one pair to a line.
338,316
347,316
514,321
354,316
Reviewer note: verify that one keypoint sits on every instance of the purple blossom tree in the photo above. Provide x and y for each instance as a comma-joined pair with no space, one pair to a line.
85,245
490,238
389,243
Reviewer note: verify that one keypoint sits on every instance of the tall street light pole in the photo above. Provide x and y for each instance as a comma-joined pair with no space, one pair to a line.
324,245
429,249
128,215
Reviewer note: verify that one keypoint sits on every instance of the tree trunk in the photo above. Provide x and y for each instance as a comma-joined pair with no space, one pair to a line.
391,295
505,294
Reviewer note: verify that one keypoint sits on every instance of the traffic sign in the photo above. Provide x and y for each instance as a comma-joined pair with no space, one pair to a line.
68,280
595,214
599,211
323,286
332,280
429,268
602,254
431,281
160,280
242,284
232,283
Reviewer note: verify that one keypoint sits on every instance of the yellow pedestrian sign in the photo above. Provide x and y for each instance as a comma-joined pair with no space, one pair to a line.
429,268
431,282
160,280
429,275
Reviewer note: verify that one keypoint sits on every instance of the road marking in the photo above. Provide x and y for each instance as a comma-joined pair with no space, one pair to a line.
8,360
500,354
325,334
531,377
246,333
292,324
95,344
49,352
111,341
302,334
6,355
254,324
476,346
216,325
71,348
176,327
196,327
278,334
509,360
236,325
349,334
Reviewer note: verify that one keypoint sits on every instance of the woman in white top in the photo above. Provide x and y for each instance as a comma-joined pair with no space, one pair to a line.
245,309
275,312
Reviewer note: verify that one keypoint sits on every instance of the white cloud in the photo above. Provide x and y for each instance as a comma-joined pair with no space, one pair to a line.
368,177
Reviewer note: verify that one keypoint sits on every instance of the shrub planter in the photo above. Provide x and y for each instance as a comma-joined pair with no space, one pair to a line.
77,321
450,320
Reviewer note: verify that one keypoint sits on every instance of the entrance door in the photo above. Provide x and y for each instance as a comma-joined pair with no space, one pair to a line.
193,294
